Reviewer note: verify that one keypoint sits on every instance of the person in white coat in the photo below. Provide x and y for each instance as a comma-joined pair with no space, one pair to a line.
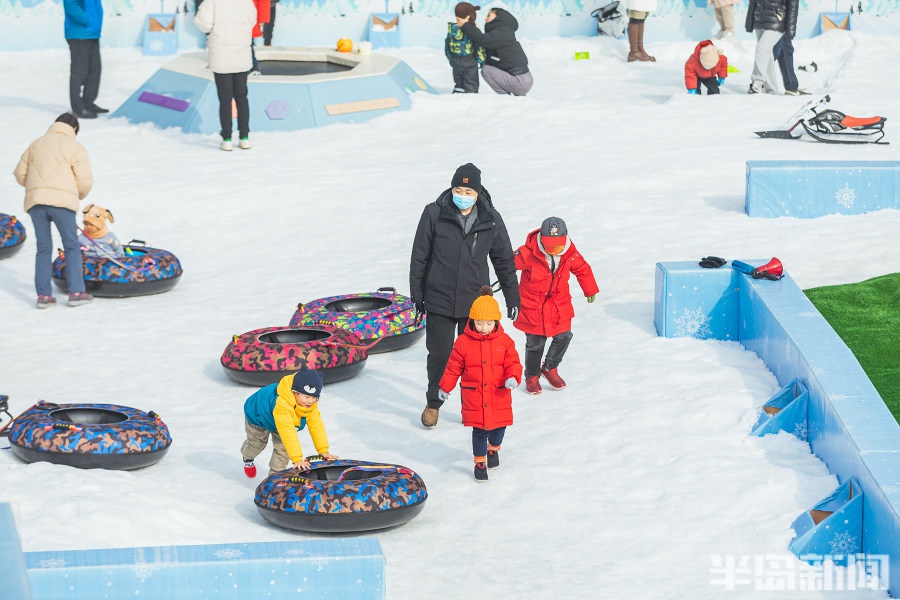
229,25
638,11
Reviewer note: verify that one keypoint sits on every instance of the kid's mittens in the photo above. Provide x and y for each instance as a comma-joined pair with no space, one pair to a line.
511,383
443,396
591,298
712,262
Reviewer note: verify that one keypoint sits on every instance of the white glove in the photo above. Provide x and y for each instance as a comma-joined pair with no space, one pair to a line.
443,396
511,383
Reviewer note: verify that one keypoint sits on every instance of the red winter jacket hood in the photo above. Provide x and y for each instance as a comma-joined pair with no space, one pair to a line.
693,70
484,362
546,307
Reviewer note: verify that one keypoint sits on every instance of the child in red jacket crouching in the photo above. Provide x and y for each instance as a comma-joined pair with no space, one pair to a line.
546,261
486,359
707,66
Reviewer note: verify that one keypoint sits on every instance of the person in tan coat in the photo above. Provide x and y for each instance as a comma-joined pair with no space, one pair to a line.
56,174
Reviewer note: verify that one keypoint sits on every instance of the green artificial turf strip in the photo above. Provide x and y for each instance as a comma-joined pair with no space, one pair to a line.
866,315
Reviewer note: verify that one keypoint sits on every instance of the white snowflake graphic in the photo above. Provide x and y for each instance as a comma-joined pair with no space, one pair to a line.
319,562
52,563
143,571
801,432
693,323
228,553
846,196
843,544
296,552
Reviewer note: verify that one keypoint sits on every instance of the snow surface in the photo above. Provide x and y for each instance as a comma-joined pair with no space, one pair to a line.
633,482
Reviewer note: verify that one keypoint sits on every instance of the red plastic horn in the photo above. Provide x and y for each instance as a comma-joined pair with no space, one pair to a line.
771,270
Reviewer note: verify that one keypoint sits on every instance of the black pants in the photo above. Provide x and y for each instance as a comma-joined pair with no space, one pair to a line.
228,86
711,83
481,437
534,350
440,333
269,28
784,53
84,73
465,74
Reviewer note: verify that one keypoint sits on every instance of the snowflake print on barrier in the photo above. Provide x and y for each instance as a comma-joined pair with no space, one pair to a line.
143,571
801,432
693,323
842,544
846,196
228,553
52,563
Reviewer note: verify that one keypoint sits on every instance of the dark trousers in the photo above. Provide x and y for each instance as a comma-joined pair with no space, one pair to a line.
228,86
465,74
711,83
440,333
84,73
784,53
269,28
255,62
64,219
534,350
481,437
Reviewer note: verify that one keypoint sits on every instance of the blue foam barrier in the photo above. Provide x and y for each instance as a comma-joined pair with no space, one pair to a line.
692,301
812,188
384,30
13,574
848,425
832,528
160,35
350,569
785,411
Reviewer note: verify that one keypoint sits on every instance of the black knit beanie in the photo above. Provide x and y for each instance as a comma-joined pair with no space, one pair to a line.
468,176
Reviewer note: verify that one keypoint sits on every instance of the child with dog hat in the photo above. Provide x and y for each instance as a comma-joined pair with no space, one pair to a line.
485,358
280,410
547,260
708,66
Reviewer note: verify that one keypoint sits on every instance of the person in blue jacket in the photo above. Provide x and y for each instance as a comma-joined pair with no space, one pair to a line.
84,20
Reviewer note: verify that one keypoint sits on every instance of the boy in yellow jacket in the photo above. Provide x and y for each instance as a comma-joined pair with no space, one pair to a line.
281,410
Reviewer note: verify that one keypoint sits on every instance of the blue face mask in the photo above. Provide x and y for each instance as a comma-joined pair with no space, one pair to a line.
463,202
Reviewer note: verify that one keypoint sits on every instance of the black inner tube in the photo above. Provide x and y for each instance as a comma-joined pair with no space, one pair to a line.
358,304
293,336
299,67
88,416
334,473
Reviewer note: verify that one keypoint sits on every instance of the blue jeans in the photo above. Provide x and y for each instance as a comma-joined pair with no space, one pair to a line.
784,53
64,219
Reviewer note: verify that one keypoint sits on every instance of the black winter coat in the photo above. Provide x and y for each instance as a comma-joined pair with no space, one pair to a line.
448,267
774,15
499,43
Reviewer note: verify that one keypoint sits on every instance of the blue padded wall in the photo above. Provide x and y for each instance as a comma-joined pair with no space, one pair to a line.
812,188
351,569
13,576
692,301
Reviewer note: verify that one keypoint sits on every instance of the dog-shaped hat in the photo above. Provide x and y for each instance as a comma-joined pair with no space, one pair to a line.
96,239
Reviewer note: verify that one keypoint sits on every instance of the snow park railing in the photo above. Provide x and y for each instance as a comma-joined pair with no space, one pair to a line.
844,420
338,568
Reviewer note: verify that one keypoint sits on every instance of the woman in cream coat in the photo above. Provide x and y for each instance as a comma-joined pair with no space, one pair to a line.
229,24
638,11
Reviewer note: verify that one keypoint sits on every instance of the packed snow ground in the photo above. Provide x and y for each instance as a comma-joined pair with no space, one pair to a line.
633,482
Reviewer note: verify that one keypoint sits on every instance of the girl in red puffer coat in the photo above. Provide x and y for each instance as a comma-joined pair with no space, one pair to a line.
546,261
486,360
706,65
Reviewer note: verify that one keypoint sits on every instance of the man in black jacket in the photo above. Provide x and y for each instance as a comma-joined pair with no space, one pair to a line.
456,236
770,20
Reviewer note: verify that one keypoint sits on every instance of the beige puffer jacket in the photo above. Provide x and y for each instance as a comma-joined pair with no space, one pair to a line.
55,170
229,24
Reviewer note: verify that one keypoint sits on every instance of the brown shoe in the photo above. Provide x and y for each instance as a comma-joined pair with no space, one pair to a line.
430,417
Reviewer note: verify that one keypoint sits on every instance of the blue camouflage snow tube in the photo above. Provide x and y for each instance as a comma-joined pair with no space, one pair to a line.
89,436
12,235
341,495
142,271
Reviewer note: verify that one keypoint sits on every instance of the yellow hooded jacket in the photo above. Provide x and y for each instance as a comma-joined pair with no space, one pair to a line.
289,416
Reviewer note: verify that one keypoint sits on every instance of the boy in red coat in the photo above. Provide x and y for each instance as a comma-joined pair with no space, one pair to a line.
486,359
546,261
707,66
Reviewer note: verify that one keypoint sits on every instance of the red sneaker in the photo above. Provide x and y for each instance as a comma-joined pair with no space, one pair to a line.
249,469
553,378
533,385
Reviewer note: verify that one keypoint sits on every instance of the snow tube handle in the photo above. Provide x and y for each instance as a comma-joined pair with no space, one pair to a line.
389,290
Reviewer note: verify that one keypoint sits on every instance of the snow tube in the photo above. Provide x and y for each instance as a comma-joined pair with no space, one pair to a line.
383,320
142,271
89,436
341,495
264,356
12,235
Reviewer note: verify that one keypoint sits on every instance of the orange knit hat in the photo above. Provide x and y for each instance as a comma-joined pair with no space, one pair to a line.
485,308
